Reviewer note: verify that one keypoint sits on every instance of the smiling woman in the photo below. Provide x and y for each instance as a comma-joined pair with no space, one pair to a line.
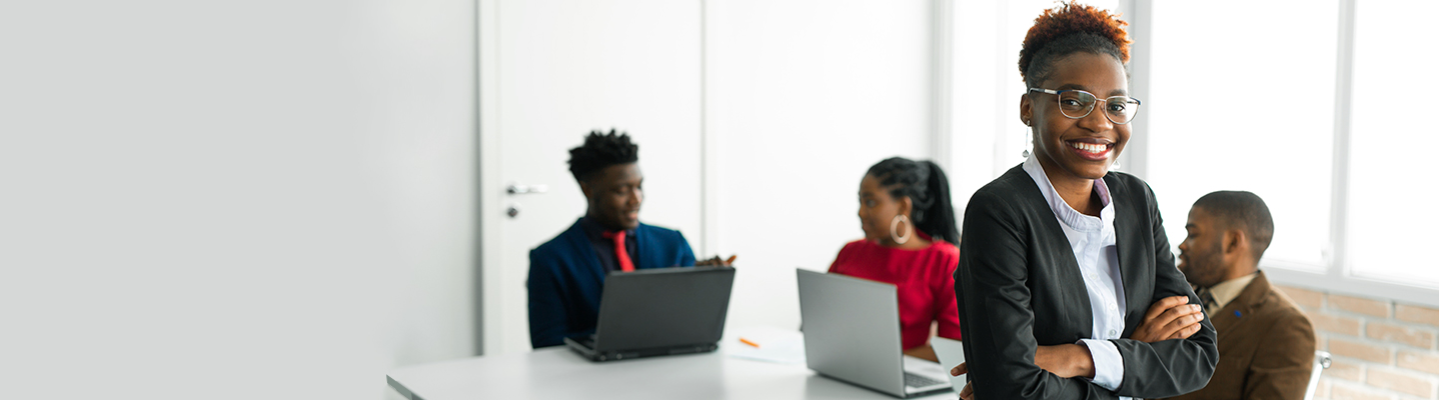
1067,288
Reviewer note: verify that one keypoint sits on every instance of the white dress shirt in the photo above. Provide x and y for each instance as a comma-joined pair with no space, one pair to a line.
1093,242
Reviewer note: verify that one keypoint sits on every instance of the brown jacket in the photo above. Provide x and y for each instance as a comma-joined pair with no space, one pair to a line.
1266,347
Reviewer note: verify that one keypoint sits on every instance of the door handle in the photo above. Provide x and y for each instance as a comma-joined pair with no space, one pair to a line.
526,189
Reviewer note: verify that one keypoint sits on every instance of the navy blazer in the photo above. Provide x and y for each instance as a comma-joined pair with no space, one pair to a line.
1019,287
566,278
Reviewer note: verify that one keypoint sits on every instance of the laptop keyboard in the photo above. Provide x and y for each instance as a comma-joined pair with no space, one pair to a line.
912,380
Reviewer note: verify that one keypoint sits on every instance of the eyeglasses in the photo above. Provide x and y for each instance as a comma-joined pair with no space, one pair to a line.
1078,104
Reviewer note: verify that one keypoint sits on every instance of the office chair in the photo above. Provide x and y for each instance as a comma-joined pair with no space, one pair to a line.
1321,362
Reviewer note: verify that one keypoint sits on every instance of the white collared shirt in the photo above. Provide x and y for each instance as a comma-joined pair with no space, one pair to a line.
1093,242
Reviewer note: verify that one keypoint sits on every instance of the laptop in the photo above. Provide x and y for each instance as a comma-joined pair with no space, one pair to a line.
851,333
657,312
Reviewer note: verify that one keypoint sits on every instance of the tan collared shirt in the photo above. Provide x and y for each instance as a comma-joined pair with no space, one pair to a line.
1226,291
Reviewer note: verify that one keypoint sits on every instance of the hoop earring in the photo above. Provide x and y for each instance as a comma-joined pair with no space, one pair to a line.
894,226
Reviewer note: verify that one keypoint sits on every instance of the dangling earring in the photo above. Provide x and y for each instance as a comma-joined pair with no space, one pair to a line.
1027,143
894,226
1115,166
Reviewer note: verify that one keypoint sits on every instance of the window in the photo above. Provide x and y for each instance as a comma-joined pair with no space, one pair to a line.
1227,112
1314,110
1392,216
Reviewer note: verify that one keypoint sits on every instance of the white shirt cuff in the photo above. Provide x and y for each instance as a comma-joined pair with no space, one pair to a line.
1108,366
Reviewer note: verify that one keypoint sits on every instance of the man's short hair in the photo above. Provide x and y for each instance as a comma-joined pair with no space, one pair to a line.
1241,210
600,151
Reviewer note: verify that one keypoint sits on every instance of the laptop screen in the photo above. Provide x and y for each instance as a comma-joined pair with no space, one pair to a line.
851,330
663,307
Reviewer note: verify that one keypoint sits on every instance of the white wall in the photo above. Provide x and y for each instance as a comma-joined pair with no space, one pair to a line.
264,199
982,111
806,96
276,199
562,68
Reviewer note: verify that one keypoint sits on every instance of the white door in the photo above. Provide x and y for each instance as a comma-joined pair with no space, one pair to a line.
557,69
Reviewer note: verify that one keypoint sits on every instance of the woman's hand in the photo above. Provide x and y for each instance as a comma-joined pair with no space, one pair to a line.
1169,318
923,351
1065,361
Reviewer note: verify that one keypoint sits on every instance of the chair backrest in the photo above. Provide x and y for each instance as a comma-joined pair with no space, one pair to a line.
1321,362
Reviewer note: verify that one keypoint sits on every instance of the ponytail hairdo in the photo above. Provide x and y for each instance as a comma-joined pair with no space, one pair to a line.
1068,29
927,188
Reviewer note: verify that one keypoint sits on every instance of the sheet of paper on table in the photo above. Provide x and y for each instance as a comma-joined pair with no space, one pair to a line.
776,345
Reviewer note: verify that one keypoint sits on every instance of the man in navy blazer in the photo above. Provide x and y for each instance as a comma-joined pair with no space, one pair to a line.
568,272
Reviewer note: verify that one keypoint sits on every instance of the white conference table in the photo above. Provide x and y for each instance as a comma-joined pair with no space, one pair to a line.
558,373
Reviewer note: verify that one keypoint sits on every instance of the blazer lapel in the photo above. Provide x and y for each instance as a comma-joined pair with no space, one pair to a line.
642,259
1232,315
1066,267
1131,269
588,262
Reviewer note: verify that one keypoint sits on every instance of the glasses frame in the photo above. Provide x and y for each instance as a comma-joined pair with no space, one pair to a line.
1056,94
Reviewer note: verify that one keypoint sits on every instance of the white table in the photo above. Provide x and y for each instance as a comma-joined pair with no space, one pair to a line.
558,373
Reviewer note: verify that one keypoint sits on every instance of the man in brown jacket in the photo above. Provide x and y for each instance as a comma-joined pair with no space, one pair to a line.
1266,345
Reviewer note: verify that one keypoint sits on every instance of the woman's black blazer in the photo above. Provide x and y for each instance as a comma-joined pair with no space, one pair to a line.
1019,286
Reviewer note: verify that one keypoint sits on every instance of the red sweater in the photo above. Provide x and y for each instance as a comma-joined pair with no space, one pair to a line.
924,277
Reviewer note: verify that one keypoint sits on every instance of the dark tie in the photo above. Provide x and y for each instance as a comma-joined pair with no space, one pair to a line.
1206,297
620,253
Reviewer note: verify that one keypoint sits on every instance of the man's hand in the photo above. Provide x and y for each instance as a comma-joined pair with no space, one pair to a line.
716,262
1169,318
968,392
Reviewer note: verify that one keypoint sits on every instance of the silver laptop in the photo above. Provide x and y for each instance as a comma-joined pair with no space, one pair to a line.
851,333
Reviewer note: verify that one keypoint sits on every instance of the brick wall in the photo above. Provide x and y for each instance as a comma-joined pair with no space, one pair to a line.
1381,349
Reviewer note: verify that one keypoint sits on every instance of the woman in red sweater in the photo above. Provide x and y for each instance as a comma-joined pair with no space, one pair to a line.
910,238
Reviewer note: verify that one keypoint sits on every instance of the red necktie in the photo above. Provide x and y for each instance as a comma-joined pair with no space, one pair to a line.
624,256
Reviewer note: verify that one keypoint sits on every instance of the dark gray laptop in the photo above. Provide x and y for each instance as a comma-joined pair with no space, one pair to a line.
851,333
656,312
